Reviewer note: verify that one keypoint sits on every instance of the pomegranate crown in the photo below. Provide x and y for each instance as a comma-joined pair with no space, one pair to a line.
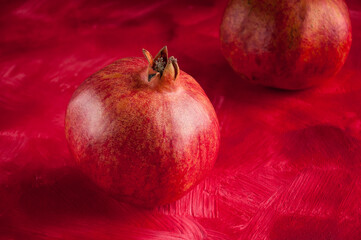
161,66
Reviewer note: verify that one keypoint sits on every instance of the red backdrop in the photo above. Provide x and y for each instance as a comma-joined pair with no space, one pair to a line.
289,162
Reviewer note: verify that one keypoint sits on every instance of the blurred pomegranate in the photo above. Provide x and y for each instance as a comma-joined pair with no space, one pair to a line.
288,44
143,130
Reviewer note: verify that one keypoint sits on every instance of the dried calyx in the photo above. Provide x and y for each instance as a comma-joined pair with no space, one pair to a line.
161,66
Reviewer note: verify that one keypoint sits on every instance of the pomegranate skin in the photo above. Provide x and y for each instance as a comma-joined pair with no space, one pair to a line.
144,140
287,44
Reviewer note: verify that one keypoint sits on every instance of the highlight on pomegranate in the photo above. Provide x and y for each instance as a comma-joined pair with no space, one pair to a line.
143,129
286,44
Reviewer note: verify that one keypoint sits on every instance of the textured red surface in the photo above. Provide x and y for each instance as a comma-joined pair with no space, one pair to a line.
289,163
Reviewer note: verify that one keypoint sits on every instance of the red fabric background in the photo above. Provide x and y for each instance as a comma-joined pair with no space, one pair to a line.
289,163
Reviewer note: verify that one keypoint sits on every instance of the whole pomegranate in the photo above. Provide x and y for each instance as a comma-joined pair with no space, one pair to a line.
143,130
288,44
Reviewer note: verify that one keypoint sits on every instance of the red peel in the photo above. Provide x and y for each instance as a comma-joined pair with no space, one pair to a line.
286,44
146,133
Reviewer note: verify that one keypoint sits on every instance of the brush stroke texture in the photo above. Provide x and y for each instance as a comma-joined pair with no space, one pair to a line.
289,163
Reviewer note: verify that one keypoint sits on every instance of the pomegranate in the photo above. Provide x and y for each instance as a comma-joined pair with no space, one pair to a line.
144,131
288,44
